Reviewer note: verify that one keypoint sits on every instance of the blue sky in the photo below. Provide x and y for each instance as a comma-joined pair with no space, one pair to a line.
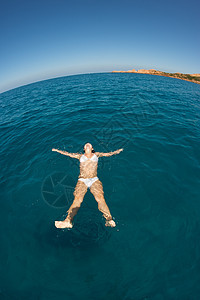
46,39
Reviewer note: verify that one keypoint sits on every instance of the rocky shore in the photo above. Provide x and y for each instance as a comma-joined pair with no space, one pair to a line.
189,77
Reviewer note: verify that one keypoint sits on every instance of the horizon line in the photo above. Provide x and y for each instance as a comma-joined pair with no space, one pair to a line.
68,75
51,78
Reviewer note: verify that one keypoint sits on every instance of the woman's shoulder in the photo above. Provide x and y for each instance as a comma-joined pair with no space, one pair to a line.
99,154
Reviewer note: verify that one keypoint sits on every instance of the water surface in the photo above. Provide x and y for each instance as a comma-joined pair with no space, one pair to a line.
152,189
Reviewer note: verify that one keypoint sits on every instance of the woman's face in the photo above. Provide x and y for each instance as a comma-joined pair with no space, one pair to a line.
88,148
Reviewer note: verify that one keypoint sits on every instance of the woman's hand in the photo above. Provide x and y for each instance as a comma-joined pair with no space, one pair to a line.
119,150
53,149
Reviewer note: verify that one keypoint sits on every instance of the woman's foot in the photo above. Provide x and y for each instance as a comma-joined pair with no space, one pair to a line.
63,224
110,223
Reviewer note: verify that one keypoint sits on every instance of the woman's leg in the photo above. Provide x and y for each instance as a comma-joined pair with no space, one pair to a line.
79,193
98,193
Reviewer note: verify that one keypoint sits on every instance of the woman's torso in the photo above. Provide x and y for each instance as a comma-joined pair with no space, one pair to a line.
88,166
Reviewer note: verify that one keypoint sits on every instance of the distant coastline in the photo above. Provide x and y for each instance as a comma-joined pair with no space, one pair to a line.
189,77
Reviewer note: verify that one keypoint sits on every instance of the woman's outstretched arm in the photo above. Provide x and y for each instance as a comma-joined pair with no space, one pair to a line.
100,154
73,155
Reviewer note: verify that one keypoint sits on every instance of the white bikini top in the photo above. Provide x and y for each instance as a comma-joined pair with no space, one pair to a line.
84,158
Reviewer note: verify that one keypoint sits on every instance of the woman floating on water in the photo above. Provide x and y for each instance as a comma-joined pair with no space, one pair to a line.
87,178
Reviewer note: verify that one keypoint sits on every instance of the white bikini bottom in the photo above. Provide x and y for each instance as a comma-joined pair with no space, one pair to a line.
89,181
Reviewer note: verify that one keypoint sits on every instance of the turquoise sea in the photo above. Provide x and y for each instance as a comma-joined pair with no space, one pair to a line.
152,189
